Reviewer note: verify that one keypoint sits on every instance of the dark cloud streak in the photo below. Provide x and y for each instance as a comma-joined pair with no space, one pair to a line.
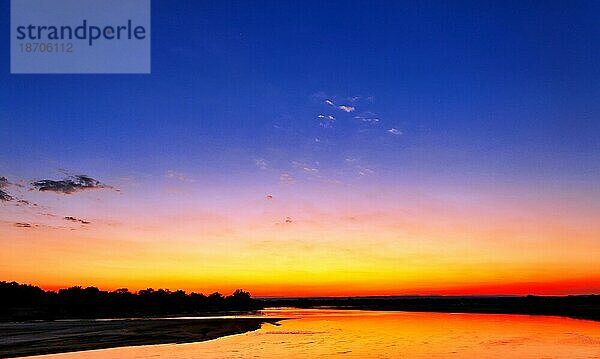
69,185
4,196
73,219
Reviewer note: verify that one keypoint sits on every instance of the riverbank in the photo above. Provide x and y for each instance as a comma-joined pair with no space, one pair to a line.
48,337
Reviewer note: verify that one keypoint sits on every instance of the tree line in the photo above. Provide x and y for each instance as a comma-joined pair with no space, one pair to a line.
27,302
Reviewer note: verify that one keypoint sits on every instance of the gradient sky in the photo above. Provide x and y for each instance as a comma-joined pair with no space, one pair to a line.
317,148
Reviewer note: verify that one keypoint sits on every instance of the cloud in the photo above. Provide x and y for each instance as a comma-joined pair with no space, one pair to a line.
261,163
7,197
73,219
4,196
178,176
286,221
327,120
363,171
394,131
329,117
358,167
35,225
305,167
342,107
69,185
24,202
368,118
286,179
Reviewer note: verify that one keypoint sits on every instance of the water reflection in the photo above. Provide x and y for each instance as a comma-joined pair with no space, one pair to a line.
326,333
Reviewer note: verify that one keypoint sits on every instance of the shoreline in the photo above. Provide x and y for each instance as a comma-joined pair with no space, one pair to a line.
52,337
576,307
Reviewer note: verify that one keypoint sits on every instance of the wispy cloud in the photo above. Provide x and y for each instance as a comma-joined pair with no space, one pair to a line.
179,176
357,166
368,117
344,108
305,167
286,179
327,120
70,185
261,163
364,171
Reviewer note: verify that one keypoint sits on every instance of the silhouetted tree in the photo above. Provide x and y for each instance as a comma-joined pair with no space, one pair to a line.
21,302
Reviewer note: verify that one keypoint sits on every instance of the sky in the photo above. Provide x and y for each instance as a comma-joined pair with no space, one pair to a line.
315,148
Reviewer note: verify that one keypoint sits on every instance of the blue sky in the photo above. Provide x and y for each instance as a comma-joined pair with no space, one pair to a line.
509,87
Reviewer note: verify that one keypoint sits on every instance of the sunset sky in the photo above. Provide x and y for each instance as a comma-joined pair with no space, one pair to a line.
306,148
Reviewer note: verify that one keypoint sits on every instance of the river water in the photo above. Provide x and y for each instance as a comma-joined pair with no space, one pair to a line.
324,333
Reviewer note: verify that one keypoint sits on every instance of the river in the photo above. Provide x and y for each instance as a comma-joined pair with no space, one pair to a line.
325,333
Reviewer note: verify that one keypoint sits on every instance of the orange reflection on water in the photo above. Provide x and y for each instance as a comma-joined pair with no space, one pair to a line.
368,334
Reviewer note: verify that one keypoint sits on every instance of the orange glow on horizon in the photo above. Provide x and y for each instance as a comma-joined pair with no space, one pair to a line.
345,248
572,287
